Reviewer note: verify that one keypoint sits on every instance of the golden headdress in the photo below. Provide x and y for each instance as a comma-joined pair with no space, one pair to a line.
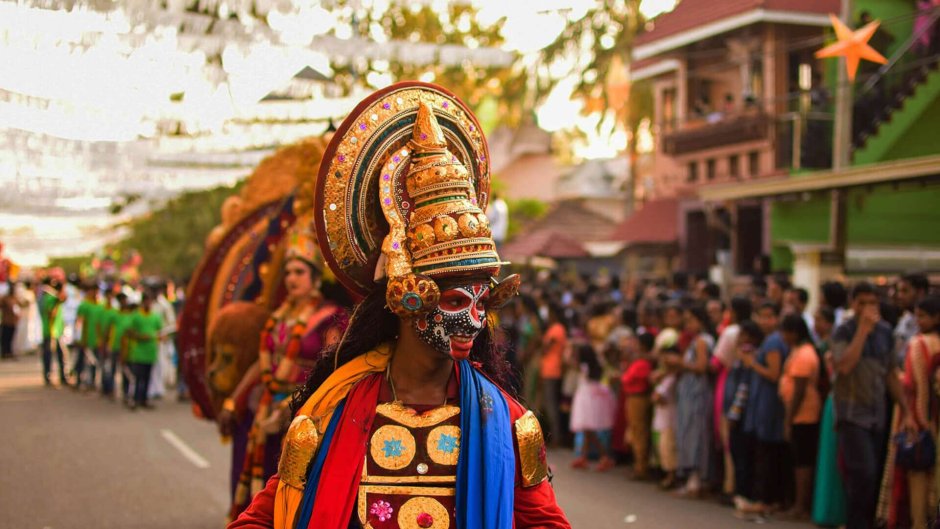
302,243
403,197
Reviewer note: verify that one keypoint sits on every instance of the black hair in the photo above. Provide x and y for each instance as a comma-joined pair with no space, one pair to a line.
890,313
759,284
753,331
600,309
863,287
672,305
834,294
558,313
372,324
782,280
712,290
794,323
647,341
770,305
827,314
930,305
331,290
588,357
741,307
628,317
680,280
699,313
801,294
531,307
917,281
335,292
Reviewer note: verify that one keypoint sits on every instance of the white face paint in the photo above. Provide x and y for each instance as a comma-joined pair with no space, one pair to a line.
457,320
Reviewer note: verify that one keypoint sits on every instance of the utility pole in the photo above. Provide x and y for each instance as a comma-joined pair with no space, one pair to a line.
841,155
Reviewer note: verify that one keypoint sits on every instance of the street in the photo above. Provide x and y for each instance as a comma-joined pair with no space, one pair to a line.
76,460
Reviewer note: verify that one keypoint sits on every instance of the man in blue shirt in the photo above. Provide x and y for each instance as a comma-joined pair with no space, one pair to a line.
862,352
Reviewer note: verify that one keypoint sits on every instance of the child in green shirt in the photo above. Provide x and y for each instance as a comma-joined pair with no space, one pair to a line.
109,339
89,312
50,303
144,329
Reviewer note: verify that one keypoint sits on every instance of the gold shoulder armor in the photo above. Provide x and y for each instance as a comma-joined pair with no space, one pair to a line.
300,445
531,450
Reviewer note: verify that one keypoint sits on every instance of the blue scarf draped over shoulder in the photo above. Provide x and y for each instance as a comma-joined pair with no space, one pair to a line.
486,465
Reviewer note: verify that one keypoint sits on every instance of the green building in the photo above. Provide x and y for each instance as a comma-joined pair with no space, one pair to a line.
890,193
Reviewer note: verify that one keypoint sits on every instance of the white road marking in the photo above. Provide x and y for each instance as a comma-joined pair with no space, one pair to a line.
188,453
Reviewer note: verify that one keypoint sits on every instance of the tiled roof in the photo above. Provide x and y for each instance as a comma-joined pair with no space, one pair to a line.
543,243
656,223
691,14
560,233
533,176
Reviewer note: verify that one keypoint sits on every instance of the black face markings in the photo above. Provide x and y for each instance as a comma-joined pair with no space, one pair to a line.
459,314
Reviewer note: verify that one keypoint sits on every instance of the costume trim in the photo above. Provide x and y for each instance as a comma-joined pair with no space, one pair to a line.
529,439
400,413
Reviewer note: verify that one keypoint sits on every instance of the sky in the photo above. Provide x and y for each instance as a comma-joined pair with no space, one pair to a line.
112,94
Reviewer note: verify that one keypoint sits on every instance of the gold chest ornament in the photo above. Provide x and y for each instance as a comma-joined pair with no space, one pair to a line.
410,471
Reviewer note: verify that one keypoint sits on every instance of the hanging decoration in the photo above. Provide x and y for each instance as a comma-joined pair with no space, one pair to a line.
853,45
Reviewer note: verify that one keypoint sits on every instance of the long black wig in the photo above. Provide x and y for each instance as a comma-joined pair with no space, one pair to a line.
372,324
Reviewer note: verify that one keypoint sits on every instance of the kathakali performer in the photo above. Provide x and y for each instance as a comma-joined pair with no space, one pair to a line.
405,424
292,341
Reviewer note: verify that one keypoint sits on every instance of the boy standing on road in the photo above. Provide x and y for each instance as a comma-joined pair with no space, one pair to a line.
144,329
50,305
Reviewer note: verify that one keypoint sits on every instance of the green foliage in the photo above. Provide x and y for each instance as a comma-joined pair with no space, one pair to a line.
72,264
415,22
601,39
523,211
171,238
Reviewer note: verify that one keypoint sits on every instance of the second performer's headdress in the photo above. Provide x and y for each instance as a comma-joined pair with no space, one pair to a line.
402,191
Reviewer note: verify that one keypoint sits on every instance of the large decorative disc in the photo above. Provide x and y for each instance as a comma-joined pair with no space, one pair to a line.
351,227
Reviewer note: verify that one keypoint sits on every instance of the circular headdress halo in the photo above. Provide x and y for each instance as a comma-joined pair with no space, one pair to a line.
352,227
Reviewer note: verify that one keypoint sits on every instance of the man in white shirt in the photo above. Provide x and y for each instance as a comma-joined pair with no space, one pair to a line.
911,290
794,301
164,371
498,214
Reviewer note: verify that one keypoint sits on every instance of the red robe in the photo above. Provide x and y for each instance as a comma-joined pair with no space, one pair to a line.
534,506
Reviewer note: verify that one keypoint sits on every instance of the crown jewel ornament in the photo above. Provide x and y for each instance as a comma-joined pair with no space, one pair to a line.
404,198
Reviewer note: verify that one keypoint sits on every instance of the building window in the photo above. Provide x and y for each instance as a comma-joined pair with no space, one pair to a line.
693,172
669,109
733,162
710,169
753,162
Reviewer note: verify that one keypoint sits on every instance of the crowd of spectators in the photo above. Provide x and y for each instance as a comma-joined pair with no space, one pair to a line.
111,337
744,393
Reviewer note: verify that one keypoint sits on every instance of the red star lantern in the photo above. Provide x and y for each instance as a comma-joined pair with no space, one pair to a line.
853,45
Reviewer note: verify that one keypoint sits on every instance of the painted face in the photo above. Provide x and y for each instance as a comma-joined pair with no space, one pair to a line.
456,321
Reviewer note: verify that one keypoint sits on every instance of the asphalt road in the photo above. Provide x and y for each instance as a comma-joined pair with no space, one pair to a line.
71,460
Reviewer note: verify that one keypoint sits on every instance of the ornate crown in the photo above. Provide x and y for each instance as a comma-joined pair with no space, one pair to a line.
403,197
302,242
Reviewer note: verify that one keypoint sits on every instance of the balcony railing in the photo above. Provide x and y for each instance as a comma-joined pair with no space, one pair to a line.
727,131
804,141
